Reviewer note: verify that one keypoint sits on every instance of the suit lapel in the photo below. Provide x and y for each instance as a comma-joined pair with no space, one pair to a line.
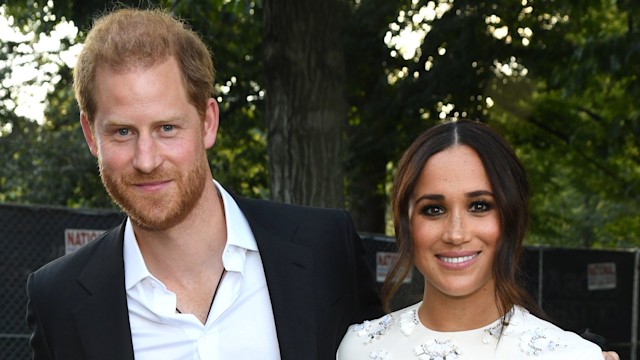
287,267
103,319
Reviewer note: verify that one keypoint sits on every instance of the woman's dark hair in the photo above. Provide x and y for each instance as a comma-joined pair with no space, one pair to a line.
511,191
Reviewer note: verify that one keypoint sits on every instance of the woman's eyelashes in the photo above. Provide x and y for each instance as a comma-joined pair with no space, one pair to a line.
431,210
479,206
475,206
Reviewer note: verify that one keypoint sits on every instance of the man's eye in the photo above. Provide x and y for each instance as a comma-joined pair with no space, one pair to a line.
167,127
123,132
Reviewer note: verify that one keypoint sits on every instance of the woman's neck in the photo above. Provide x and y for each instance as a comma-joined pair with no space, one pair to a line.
445,313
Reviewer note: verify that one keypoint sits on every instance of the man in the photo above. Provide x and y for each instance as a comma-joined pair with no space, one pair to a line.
194,272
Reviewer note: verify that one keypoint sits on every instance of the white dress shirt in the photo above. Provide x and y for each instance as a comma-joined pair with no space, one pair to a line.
240,324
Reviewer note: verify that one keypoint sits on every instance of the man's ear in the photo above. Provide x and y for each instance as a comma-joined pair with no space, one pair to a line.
88,134
210,123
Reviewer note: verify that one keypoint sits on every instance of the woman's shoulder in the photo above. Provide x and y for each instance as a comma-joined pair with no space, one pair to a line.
364,338
371,330
538,337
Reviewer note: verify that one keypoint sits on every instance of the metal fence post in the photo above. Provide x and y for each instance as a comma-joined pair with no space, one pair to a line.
634,307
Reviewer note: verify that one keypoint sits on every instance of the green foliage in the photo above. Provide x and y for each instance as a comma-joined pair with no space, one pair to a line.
48,162
232,30
575,124
374,128
560,82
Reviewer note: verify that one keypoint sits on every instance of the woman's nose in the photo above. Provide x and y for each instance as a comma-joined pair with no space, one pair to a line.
454,233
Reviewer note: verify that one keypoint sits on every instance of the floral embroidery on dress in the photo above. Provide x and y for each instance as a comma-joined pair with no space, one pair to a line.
437,350
535,342
373,329
505,326
380,355
408,321
492,333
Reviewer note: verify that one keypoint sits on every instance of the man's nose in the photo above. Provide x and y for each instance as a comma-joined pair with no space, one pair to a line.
146,158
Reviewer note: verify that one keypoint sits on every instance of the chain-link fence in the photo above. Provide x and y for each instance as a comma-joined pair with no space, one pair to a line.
596,289
31,236
578,289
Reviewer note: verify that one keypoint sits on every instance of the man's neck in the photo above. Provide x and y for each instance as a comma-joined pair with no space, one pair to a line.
192,245
187,258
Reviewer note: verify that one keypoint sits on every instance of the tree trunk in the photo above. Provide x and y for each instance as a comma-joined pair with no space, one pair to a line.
306,108
367,202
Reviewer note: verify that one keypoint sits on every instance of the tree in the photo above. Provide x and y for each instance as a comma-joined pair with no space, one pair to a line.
232,30
558,79
373,127
306,108
66,174
46,162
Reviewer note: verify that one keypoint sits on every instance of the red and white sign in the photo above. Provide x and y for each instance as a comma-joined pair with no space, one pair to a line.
601,276
77,238
384,261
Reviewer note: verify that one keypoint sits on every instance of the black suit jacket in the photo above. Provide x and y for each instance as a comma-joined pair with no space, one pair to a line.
315,265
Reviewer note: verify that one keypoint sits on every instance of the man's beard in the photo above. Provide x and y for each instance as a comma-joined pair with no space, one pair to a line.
161,211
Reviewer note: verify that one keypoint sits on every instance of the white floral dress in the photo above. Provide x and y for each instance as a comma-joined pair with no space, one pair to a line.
401,336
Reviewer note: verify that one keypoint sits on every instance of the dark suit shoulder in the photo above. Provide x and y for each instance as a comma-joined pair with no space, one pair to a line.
307,215
68,267
76,297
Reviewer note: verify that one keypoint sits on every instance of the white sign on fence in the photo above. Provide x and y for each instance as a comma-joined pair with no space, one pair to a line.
384,260
77,238
601,276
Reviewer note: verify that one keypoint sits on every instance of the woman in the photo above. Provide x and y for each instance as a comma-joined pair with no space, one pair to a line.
460,214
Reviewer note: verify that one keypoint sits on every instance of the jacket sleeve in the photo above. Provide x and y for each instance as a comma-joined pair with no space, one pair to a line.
37,341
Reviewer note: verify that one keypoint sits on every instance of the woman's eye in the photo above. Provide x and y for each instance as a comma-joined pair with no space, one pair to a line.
431,210
480,206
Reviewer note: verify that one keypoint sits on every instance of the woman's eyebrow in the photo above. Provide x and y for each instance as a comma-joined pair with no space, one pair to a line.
477,193
430,197
439,197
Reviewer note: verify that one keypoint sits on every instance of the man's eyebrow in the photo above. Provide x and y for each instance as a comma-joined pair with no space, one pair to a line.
119,122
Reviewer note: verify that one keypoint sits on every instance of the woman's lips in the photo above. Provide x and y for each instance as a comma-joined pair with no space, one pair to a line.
458,261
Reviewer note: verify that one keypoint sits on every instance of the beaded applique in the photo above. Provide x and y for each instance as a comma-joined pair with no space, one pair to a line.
380,355
437,350
530,342
371,330
408,321
492,333
433,349
504,326
535,342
